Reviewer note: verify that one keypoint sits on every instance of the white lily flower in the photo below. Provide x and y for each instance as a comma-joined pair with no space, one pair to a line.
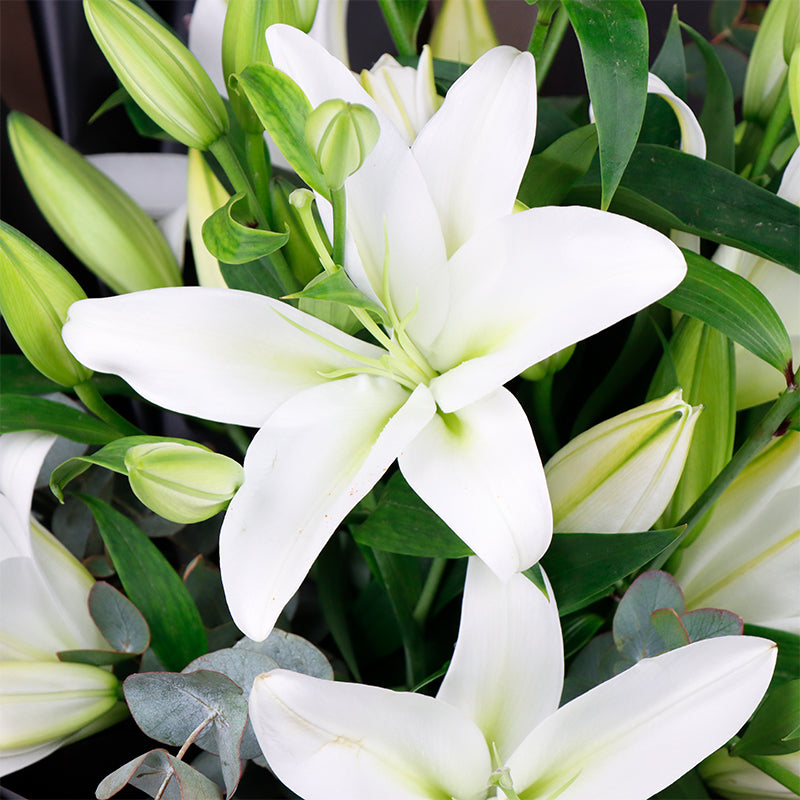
475,295
496,722
747,557
43,609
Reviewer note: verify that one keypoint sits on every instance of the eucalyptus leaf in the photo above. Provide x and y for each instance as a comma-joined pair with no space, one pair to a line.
19,412
667,624
232,238
120,622
176,630
614,47
707,623
773,729
403,18
290,651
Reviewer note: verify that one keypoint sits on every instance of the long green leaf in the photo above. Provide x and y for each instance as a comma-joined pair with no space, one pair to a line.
731,304
153,586
257,276
403,18
614,47
670,63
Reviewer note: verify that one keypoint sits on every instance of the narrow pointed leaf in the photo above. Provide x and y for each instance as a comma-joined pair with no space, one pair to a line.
732,305
403,18
773,729
153,586
614,48
257,276
336,287
788,666
670,63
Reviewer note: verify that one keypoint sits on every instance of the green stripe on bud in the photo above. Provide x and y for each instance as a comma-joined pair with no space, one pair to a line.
181,482
96,219
341,135
35,293
160,74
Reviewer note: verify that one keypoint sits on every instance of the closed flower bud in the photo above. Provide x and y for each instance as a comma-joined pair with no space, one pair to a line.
96,219
181,482
341,135
35,293
159,73
462,31
736,779
619,475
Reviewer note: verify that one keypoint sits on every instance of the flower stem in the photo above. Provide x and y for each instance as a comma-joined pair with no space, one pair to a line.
773,131
93,400
551,25
339,203
429,590
260,169
776,771
224,153
182,752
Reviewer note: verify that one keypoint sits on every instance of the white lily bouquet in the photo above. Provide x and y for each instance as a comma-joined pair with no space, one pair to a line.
457,457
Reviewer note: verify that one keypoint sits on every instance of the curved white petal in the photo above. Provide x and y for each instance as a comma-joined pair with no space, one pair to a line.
326,740
16,758
508,666
479,470
790,182
330,28
173,229
313,460
205,38
215,353
693,141
533,283
487,118
637,733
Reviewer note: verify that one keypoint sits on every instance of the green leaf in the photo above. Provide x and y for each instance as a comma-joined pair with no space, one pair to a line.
717,118
581,565
777,772
732,305
788,666
24,413
577,629
336,287
667,623
97,658
614,46
536,576
257,276
283,110
19,376
773,728
708,623
688,787
230,237
403,18
553,172
177,633
670,63
120,622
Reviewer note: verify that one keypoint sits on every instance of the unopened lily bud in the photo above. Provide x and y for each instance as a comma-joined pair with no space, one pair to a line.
341,135
550,365
182,483
159,73
96,219
407,95
35,293
619,475
737,779
463,31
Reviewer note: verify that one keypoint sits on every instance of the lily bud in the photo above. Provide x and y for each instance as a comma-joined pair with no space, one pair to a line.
463,31
96,219
341,135
747,556
182,483
160,74
736,779
204,194
619,475
407,95
35,293
549,366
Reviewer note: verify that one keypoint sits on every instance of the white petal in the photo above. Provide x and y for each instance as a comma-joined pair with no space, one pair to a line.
479,470
334,740
205,38
330,28
693,141
635,734
20,757
508,666
173,229
535,282
215,353
474,150
790,183
313,460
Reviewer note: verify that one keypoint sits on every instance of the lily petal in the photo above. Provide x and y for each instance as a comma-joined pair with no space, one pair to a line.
488,117
558,275
205,38
326,739
479,470
693,140
219,354
313,460
635,734
508,666
330,28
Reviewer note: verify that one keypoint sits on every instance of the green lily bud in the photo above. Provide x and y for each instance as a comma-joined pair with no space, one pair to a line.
35,293
462,31
182,483
737,779
160,74
619,475
341,135
96,219
549,366
204,194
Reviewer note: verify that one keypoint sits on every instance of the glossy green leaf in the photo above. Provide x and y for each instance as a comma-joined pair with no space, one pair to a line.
670,63
120,622
614,47
176,630
788,666
403,18
581,565
25,413
336,287
688,787
283,110
773,728
553,172
732,305
577,629
19,376
257,276
230,236
96,658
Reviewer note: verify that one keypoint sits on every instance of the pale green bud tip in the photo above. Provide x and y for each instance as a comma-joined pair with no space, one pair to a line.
35,293
301,199
180,482
160,74
341,135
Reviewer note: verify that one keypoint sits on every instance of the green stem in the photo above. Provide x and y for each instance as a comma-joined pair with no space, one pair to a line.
559,28
773,131
777,772
545,11
339,203
223,152
770,425
239,438
93,400
429,590
542,395
260,169
284,272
